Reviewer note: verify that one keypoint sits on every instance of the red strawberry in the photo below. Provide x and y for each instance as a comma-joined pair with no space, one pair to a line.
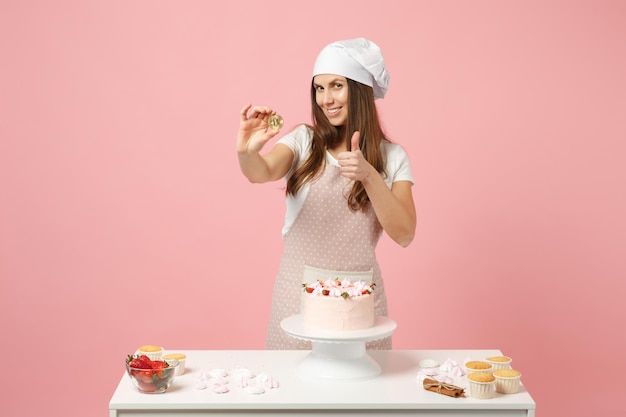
146,377
325,292
309,290
141,362
137,363
166,371
159,364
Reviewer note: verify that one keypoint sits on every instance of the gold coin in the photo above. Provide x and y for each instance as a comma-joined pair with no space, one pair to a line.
275,122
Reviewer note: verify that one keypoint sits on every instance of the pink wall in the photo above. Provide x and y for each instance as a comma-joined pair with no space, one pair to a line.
124,219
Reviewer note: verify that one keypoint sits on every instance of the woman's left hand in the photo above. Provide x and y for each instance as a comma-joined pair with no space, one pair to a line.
353,164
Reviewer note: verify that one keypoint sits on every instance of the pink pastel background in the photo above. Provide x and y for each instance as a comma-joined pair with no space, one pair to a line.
124,219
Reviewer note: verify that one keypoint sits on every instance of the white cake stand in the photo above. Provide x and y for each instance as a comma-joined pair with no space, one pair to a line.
338,356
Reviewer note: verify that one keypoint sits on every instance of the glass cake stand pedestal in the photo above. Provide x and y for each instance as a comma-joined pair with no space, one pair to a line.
338,355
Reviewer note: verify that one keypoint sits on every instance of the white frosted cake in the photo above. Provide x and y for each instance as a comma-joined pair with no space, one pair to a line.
338,305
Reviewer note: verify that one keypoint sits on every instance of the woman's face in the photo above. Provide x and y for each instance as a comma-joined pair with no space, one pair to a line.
331,94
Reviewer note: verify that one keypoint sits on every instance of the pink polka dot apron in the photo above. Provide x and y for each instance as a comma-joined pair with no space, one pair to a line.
325,235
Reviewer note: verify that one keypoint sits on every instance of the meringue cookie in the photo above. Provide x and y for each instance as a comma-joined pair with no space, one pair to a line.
200,384
448,365
262,377
220,389
430,371
218,373
241,373
444,379
254,389
458,371
428,363
445,368
271,383
220,380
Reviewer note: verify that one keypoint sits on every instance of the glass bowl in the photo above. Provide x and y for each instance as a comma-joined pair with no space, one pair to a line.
153,381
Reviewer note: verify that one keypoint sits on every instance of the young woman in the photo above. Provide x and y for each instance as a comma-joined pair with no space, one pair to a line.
346,182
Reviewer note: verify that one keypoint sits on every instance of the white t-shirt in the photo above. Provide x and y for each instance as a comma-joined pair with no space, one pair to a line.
299,141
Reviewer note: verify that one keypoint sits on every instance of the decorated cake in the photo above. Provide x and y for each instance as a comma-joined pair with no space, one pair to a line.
338,305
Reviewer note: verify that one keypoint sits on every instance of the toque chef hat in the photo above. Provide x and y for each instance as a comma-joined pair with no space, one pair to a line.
358,59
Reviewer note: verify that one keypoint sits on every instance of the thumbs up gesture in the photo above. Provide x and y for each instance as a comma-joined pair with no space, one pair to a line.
352,163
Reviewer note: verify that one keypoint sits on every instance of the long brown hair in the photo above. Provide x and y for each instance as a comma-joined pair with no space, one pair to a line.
362,117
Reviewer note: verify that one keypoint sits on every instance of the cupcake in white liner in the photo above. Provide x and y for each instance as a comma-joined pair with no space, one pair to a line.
180,357
155,353
507,380
478,366
499,362
482,386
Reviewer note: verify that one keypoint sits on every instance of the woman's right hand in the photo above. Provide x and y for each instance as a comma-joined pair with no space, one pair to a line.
254,131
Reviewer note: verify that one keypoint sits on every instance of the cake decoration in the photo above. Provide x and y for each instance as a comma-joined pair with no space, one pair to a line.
339,288
338,305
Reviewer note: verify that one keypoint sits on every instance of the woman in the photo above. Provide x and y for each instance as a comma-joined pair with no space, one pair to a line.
346,182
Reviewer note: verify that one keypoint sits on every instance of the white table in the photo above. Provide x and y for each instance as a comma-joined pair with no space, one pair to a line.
396,391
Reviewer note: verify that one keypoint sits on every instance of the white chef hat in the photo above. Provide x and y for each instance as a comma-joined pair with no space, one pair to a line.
358,59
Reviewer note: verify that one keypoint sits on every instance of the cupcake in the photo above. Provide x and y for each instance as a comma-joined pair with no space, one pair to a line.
482,386
478,366
507,380
151,351
499,362
180,357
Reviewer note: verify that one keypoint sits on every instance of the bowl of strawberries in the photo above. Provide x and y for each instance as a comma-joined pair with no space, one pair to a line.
151,376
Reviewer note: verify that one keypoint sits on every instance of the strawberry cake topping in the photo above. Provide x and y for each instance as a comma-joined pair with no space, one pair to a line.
339,288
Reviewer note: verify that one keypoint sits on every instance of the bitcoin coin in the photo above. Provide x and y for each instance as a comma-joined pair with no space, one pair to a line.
275,122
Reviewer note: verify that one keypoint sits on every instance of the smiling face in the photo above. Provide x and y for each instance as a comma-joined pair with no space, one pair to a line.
331,95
